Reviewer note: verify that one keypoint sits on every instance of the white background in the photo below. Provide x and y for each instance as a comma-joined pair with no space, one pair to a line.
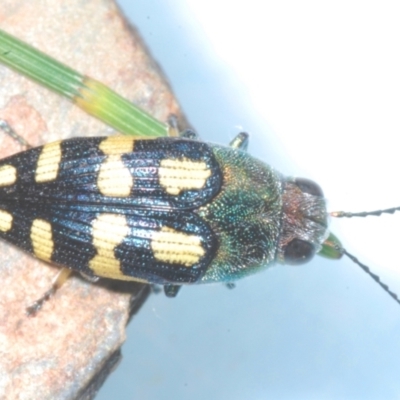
317,84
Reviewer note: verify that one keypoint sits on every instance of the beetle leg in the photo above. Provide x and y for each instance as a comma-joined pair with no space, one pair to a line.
189,134
6,127
58,281
171,290
240,141
173,129
156,289
89,278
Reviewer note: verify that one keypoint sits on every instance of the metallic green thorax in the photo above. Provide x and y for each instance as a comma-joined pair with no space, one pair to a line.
253,216
246,214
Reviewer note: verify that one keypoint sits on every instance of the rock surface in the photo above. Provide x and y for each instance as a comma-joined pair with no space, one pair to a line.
66,350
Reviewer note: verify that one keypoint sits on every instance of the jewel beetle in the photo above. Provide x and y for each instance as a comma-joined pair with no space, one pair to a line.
168,211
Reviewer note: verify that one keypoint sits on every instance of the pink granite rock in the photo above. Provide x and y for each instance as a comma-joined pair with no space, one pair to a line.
69,347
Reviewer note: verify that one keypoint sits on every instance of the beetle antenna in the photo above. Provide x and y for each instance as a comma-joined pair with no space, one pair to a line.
376,213
371,274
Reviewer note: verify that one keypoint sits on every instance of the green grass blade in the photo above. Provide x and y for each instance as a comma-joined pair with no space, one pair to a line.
92,96
99,100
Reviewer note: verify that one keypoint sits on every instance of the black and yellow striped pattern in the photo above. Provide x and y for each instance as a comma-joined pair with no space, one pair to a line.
114,207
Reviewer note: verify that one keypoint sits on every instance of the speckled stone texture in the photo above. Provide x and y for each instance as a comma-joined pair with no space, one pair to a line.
69,347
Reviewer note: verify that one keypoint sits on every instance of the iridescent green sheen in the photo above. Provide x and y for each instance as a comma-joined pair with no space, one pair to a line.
253,219
245,215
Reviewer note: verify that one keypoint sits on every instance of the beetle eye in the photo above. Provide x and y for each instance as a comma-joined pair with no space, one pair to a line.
310,187
298,252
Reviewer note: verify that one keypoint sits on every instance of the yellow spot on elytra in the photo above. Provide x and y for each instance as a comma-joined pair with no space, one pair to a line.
114,177
117,145
6,220
8,175
48,163
178,175
42,239
108,231
175,247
